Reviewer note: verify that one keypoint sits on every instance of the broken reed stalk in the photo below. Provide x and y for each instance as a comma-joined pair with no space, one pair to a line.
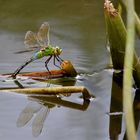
67,69
53,91
128,69
45,74
118,37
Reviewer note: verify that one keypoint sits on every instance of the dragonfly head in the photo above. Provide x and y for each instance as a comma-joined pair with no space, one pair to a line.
57,50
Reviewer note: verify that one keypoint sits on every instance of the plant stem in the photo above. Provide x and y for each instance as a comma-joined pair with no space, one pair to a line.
128,69
53,91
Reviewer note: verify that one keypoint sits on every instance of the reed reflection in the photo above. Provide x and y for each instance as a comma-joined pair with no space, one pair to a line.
39,108
117,123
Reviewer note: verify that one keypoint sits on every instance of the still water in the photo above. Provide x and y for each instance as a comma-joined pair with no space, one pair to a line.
78,28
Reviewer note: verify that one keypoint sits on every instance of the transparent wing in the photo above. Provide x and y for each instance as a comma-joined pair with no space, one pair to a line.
43,33
39,120
35,48
28,112
31,39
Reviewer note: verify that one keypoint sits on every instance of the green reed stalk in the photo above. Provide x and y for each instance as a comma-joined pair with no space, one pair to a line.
128,70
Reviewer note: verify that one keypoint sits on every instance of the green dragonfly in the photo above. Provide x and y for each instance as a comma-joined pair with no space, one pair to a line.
40,41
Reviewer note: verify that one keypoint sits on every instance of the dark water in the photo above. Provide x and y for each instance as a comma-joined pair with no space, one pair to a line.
78,28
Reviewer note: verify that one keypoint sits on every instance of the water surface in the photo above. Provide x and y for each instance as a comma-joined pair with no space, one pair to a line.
78,28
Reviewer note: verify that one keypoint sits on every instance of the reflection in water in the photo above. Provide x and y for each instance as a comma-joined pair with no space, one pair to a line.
116,106
27,114
40,107
105,112
117,122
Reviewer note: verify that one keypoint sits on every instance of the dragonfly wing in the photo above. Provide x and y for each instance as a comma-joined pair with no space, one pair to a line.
43,33
31,39
39,120
31,49
28,112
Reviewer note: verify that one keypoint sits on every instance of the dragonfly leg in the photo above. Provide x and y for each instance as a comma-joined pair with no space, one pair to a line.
59,59
46,64
55,63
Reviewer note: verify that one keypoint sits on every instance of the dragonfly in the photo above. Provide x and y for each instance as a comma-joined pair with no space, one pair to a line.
40,41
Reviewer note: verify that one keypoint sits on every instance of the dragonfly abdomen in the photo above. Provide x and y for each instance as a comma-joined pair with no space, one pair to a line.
22,66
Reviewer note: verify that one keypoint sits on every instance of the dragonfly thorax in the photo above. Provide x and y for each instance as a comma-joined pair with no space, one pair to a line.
48,51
